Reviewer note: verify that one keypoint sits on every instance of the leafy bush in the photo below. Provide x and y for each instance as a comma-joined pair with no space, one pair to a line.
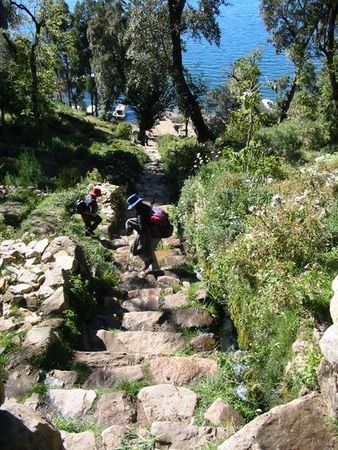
179,160
268,251
28,171
119,162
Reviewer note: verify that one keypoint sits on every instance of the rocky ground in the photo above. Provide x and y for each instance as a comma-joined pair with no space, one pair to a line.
149,341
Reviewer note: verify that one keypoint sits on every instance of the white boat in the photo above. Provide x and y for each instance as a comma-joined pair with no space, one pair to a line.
267,105
120,111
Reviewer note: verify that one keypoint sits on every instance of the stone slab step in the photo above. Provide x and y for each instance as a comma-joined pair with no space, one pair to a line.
142,320
107,359
142,342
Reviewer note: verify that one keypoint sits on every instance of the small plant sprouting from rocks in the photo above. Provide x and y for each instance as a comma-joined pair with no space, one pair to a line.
137,441
131,388
75,426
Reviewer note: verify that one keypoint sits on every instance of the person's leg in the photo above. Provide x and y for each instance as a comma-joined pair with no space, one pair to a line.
154,262
87,222
96,220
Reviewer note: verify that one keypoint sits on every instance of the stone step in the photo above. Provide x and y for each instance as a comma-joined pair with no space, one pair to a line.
181,370
142,320
142,342
107,377
106,359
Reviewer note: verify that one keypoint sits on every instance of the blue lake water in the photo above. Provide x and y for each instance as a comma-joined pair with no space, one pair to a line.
242,31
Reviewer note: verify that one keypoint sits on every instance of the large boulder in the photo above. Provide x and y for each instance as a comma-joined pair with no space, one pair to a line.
141,321
329,345
21,428
142,342
327,376
114,408
221,413
72,403
191,318
300,424
165,402
78,441
182,436
181,370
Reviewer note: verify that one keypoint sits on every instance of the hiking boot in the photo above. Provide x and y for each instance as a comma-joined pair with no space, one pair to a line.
146,265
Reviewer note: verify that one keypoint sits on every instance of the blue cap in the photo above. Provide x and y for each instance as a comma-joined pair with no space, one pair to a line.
133,200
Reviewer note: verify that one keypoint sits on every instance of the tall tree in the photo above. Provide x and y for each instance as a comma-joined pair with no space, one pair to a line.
149,88
304,28
106,38
200,22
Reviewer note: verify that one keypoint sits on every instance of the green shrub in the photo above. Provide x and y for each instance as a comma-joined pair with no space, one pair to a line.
268,251
28,171
178,159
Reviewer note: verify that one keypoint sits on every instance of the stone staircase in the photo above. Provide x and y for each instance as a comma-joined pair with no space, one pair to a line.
150,341
164,343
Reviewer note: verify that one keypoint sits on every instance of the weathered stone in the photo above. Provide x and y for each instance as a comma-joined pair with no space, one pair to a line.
191,318
134,280
46,257
71,402
335,285
45,291
61,378
181,436
106,359
21,428
300,424
105,378
165,402
112,436
221,413
20,289
33,401
175,301
114,408
41,246
58,301
203,342
145,294
141,304
62,243
38,339
327,378
181,370
27,277
78,441
20,381
7,324
30,262
334,308
168,281
143,342
329,344
141,321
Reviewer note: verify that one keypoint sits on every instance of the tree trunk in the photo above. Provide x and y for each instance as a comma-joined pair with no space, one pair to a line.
182,88
142,133
287,102
2,109
34,85
330,50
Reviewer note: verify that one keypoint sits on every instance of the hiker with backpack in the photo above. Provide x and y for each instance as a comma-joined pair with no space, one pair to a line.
88,209
151,225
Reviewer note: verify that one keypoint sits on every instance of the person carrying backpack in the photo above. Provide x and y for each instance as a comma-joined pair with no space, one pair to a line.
88,209
151,225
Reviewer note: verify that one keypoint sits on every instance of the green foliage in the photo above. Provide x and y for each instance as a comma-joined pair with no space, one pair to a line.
81,298
101,259
222,386
28,171
292,138
39,388
268,251
70,322
131,388
9,347
119,162
178,158
74,425
137,441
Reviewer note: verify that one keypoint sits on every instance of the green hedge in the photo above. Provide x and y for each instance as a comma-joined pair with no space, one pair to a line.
268,248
